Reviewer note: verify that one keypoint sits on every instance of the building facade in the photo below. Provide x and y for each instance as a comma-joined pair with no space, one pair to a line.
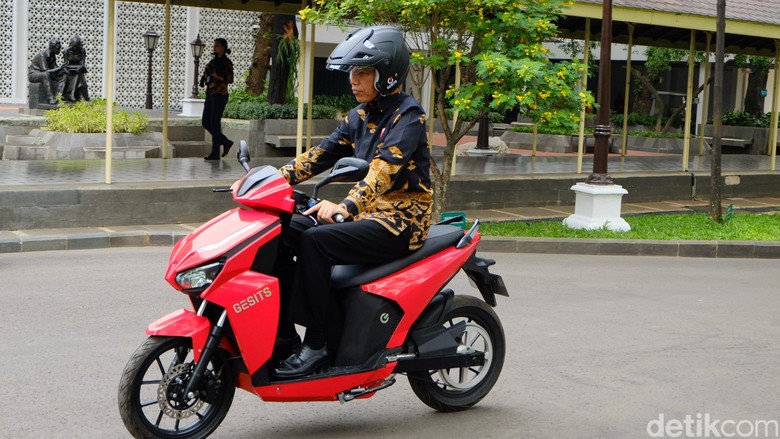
28,25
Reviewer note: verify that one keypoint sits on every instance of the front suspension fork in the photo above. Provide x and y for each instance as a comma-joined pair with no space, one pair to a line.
208,350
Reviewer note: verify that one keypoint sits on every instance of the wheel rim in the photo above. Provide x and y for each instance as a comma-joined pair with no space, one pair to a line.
474,338
160,403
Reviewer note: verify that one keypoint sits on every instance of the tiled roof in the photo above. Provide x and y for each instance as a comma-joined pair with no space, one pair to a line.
759,11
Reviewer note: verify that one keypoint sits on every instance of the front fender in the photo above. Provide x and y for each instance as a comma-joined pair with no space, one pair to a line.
183,323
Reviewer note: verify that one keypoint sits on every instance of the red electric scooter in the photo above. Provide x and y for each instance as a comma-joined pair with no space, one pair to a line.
394,318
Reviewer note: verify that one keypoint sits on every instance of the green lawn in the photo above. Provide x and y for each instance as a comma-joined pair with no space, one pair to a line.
742,226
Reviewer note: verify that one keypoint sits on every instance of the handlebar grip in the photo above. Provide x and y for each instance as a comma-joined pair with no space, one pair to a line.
339,218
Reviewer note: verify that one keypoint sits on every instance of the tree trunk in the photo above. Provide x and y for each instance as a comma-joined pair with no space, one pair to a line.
754,102
280,68
681,109
651,91
716,183
258,70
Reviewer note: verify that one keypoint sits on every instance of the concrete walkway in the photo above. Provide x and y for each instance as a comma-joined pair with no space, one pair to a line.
168,234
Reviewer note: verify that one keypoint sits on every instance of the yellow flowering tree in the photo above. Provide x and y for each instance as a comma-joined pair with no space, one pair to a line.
496,46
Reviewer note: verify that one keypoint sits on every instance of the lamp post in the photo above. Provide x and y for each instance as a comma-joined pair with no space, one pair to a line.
150,38
197,50
597,203
603,130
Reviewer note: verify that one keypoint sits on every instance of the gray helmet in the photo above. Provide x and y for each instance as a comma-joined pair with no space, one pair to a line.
380,47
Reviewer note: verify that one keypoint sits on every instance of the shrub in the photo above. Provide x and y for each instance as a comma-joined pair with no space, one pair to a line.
342,104
742,119
635,119
264,110
90,117
470,115
548,129
656,135
239,95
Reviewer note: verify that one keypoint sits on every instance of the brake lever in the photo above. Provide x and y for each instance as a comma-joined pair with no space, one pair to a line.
223,189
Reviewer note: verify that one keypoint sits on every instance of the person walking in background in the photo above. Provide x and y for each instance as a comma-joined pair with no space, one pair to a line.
216,77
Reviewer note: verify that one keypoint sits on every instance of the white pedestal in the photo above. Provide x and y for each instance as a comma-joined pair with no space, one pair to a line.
597,206
192,107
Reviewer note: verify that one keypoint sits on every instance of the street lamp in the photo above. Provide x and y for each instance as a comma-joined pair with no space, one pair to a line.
150,38
197,50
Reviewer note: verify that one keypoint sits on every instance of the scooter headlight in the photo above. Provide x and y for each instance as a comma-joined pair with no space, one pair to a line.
198,278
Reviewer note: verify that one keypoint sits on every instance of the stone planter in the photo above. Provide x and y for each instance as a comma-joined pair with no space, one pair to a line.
544,142
53,145
649,144
192,107
274,137
736,139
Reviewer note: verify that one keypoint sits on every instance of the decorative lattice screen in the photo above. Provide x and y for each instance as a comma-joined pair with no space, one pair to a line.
6,47
133,19
63,19
236,27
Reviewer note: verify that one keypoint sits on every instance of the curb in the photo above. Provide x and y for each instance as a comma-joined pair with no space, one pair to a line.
625,247
63,240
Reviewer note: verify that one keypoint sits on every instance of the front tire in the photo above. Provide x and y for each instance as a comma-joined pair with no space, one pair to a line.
449,390
148,400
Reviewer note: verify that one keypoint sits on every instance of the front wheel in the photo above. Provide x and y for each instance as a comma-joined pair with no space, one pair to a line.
151,399
449,390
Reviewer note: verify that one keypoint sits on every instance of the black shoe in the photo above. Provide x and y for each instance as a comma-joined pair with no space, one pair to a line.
211,157
227,148
303,361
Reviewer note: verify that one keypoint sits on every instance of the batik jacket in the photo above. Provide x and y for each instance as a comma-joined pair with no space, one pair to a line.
390,134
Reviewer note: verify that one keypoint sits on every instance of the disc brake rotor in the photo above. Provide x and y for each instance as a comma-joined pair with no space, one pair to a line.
170,394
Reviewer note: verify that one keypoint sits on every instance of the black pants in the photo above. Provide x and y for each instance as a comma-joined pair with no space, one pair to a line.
212,120
317,250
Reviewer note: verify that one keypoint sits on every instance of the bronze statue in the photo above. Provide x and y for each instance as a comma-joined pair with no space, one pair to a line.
74,60
44,70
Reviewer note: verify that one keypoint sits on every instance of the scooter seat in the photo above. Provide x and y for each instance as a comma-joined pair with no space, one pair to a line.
439,238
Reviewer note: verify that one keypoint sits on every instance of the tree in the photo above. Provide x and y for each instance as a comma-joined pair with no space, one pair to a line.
258,70
496,45
277,39
716,182
285,51
650,78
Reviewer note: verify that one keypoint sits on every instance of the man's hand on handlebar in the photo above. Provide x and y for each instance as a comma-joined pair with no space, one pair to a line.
326,211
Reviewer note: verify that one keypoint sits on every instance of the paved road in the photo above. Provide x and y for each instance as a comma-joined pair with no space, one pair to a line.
598,347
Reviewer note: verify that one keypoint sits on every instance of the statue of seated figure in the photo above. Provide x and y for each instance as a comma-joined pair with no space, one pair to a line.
74,68
43,70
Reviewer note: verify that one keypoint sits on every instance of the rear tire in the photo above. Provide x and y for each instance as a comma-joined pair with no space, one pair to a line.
449,390
148,399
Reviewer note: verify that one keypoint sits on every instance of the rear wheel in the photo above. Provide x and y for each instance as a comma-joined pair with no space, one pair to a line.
151,399
448,390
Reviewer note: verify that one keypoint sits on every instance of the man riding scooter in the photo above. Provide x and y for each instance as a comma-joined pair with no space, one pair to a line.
387,214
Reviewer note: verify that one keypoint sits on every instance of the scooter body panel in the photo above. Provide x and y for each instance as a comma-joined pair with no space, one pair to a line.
216,237
321,389
182,323
414,286
251,301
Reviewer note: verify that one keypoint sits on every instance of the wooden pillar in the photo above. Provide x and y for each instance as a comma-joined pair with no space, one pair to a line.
166,78
627,90
705,110
584,86
689,102
111,43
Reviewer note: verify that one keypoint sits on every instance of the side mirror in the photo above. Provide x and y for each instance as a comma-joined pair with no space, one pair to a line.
243,155
346,169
